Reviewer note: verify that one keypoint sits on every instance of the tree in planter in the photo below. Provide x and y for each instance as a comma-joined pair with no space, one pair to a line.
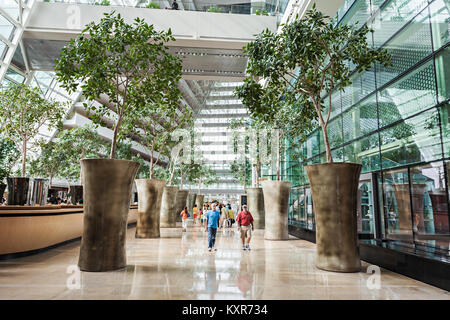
306,62
130,67
51,161
25,112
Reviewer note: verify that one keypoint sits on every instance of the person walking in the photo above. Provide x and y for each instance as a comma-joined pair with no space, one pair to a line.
184,218
230,214
195,213
244,220
211,224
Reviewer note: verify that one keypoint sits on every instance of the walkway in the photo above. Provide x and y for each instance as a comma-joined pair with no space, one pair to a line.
184,269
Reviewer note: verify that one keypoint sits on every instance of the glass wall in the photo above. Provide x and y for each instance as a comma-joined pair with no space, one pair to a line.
395,122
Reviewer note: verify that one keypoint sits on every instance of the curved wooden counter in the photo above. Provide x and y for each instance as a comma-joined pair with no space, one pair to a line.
27,228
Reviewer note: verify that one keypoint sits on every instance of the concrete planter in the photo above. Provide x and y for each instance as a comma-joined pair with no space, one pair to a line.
17,190
181,200
199,201
191,201
255,204
38,191
276,204
76,194
107,191
169,207
150,192
334,189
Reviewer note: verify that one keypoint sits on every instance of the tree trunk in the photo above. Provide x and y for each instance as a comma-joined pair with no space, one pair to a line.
199,185
24,157
114,141
327,144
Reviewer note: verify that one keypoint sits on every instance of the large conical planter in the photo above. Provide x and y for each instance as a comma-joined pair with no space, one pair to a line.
255,204
182,196
169,207
334,189
150,193
17,191
401,191
106,196
37,191
76,194
276,204
199,201
191,201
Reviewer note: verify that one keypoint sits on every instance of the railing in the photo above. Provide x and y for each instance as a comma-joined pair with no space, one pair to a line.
270,7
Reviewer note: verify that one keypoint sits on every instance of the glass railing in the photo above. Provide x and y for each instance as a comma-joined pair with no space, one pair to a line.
267,8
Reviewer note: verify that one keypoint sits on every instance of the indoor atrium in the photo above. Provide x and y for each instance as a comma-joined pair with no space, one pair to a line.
224,150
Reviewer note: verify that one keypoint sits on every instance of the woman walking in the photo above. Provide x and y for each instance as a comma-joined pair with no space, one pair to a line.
184,216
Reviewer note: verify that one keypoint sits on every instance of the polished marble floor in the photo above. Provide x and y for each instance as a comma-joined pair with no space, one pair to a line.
174,268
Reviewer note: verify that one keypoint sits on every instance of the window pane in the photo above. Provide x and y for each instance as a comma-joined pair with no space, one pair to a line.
443,74
440,22
392,17
365,212
413,140
397,205
334,130
365,151
361,119
410,94
362,85
407,48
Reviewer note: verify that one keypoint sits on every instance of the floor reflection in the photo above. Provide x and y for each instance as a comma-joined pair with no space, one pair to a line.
182,268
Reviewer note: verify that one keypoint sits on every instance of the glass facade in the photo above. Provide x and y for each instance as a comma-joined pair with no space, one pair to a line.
395,122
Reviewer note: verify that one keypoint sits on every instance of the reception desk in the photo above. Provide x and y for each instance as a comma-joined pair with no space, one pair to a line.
28,228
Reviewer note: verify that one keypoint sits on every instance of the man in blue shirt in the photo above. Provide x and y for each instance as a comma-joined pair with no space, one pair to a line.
211,224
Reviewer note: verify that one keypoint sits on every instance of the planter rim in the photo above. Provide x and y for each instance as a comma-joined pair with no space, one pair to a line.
183,190
160,180
105,160
172,187
258,188
335,164
273,181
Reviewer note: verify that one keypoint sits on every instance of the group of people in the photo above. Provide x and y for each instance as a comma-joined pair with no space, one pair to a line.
213,216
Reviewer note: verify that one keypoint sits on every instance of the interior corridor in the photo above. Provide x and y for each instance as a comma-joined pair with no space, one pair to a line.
174,268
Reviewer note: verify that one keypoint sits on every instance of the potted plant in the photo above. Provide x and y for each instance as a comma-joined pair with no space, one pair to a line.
129,66
25,112
204,176
8,157
303,64
155,136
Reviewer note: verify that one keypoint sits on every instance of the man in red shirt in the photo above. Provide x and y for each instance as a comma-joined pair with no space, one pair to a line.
244,220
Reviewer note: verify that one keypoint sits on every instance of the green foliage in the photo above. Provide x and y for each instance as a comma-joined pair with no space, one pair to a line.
76,144
302,65
242,170
103,3
23,112
50,162
214,9
124,152
128,64
261,13
153,5
8,157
